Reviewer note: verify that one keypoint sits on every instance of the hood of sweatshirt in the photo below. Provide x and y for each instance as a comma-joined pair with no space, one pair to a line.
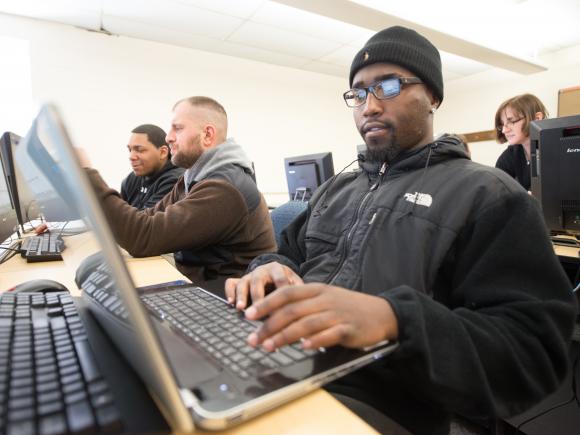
226,153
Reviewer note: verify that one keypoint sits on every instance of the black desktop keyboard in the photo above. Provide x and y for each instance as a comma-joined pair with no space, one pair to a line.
49,379
43,247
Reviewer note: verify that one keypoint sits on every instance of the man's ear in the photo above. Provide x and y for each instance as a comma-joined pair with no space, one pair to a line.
208,135
433,99
164,151
538,116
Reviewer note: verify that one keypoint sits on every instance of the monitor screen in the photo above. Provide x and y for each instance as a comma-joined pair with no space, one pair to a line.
305,174
22,198
555,171
8,220
48,202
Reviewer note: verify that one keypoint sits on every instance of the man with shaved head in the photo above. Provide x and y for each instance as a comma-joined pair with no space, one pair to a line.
214,220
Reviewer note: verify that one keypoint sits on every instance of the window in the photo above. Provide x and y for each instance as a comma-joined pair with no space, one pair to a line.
16,108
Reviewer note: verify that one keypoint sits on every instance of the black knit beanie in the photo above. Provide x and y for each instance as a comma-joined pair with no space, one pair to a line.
406,48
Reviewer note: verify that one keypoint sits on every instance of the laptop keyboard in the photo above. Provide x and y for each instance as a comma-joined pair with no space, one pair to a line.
43,247
49,379
209,322
220,330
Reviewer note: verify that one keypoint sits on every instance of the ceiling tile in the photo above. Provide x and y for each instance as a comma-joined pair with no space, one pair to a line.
179,17
261,55
136,29
296,20
236,8
213,45
282,41
85,14
327,68
342,56
360,42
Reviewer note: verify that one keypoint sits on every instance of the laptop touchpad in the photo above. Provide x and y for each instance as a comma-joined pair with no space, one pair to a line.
189,365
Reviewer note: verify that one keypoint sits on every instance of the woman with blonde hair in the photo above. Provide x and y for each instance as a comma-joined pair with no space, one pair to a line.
512,123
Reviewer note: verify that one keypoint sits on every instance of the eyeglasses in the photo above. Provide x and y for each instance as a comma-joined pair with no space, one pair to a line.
509,123
382,90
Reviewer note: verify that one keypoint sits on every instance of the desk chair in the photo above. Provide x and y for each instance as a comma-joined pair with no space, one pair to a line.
284,214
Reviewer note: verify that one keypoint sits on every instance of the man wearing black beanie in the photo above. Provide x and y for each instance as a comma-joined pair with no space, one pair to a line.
423,246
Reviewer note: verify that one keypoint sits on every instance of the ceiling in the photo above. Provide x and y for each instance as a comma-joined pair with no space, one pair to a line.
324,35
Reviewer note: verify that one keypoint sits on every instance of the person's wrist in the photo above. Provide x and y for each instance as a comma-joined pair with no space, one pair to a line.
391,331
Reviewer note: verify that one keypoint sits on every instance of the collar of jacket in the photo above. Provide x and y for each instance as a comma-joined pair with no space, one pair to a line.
150,179
443,149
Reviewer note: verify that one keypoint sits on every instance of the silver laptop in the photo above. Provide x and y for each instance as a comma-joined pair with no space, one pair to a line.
188,346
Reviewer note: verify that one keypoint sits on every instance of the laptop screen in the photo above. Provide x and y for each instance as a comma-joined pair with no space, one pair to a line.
48,158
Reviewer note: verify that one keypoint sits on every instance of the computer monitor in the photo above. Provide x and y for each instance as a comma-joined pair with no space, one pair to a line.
305,174
8,219
22,197
555,172
48,202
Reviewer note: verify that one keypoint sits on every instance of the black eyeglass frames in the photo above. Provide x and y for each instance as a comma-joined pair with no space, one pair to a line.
382,90
509,123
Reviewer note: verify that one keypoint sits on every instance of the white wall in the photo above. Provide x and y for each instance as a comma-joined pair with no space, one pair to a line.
106,85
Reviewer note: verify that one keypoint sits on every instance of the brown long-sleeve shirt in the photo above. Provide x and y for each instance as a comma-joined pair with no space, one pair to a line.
213,229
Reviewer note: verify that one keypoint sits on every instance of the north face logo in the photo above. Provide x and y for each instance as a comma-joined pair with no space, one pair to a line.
423,199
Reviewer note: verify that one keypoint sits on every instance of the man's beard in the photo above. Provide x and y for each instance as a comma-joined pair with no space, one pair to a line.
186,161
383,152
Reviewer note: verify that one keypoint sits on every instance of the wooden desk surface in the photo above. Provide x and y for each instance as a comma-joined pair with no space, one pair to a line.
315,413
567,251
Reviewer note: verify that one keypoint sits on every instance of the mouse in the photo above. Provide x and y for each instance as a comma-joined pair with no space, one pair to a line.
87,266
39,285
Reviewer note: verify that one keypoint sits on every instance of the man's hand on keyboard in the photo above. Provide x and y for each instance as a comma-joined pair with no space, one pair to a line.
321,315
258,283
41,229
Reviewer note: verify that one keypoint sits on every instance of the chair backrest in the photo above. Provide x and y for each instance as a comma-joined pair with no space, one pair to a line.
284,214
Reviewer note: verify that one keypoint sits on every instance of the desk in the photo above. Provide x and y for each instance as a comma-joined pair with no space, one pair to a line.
316,413
570,261
567,252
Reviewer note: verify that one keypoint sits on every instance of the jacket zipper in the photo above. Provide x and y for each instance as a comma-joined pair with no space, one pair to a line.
353,227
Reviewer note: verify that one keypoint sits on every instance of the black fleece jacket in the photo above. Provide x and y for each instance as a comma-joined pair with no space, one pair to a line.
460,251
145,192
